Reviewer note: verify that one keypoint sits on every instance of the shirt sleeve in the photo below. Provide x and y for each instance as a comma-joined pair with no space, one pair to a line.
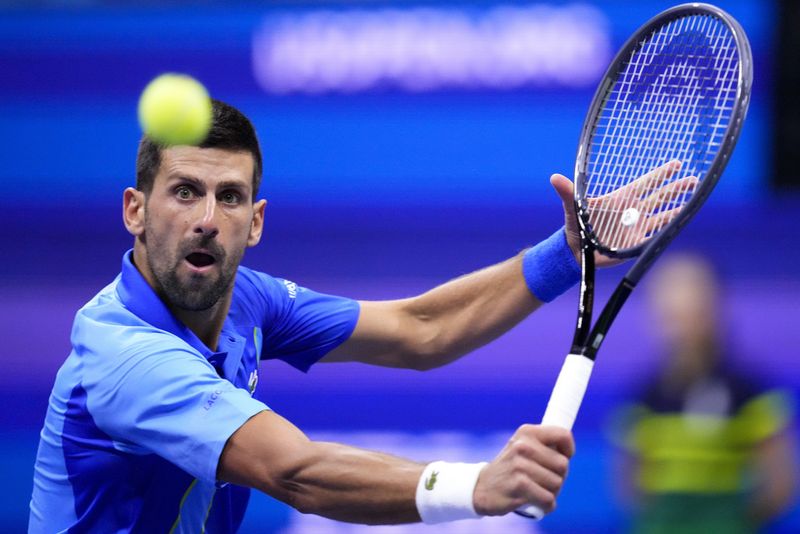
300,325
161,396
764,416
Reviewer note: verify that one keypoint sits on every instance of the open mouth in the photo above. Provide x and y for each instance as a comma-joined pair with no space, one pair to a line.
200,259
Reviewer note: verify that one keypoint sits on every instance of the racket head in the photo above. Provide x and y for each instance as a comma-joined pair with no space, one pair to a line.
678,90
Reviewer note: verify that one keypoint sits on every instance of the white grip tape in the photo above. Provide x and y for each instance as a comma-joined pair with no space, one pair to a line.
563,406
567,395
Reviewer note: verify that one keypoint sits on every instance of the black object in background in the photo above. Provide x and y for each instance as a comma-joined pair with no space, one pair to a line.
787,98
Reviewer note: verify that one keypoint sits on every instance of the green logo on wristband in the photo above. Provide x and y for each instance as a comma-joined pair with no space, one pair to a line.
431,480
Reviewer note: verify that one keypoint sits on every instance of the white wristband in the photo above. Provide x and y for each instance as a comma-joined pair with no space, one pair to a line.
444,491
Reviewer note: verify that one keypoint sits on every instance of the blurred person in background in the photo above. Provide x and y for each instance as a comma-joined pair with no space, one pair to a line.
706,449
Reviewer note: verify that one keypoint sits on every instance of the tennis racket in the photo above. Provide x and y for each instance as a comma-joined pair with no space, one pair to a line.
660,130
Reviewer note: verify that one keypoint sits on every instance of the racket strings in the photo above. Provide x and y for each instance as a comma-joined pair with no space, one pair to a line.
672,101
653,117
685,103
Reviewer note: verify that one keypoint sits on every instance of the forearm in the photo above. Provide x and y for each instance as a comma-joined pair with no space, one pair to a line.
473,310
453,319
345,483
470,311
353,485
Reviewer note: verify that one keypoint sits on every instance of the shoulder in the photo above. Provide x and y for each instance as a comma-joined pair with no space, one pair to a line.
103,317
755,395
255,283
745,382
761,408
104,327
262,296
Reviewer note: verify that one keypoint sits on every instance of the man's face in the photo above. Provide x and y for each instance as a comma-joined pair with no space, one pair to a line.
684,297
198,220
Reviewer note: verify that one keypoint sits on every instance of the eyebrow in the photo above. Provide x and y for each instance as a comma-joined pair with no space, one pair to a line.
184,178
231,184
225,184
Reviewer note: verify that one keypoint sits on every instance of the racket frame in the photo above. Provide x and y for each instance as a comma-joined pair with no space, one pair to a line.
744,84
587,339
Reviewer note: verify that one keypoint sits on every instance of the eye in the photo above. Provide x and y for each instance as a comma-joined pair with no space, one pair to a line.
230,197
184,192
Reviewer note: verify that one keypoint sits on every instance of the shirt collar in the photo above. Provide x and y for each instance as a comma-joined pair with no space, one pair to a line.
136,294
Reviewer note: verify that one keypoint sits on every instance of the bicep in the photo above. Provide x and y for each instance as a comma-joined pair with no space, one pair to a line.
262,453
306,325
386,334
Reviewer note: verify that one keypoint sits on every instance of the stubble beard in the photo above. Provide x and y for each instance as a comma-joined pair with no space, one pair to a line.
199,292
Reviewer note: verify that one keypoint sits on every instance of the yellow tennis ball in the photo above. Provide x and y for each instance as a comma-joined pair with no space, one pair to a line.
175,109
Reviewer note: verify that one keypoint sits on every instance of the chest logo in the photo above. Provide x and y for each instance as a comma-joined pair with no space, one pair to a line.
252,382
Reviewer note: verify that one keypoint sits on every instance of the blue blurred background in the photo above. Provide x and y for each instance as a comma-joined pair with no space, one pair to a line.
399,152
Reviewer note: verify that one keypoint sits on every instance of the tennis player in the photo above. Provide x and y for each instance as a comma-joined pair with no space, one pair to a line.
151,425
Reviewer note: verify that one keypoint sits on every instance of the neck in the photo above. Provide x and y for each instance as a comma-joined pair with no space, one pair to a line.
206,324
693,361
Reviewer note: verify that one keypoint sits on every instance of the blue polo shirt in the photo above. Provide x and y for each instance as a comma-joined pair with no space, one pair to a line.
141,409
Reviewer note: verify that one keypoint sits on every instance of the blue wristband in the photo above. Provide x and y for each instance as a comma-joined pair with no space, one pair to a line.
550,268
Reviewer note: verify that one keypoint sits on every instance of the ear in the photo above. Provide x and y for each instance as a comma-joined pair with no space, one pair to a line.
133,211
257,224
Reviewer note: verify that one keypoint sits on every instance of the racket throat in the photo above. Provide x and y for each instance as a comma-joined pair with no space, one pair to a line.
586,297
598,333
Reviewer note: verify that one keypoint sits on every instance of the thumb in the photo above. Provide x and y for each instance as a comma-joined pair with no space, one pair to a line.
564,189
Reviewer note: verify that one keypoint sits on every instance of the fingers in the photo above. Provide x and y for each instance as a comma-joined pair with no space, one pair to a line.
550,465
649,182
663,205
554,437
607,209
668,193
516,488
535,490
655,178
660,220
542,454
530,470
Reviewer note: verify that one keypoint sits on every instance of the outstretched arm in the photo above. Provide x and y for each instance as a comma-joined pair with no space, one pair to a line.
443,324
439,326
355,485
455,318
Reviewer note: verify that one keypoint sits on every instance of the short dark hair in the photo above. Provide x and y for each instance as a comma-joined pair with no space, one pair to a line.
230,130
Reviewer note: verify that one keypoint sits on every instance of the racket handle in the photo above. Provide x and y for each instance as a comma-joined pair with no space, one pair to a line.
563,406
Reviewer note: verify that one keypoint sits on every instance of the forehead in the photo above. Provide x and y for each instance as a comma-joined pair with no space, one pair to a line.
209,165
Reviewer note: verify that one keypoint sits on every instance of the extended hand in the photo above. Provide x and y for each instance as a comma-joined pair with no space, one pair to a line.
648,195
530,469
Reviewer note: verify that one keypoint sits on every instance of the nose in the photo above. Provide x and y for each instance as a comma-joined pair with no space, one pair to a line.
206,222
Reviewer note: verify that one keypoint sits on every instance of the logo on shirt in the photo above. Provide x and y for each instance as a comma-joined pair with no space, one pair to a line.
291,287
252,382
212,399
